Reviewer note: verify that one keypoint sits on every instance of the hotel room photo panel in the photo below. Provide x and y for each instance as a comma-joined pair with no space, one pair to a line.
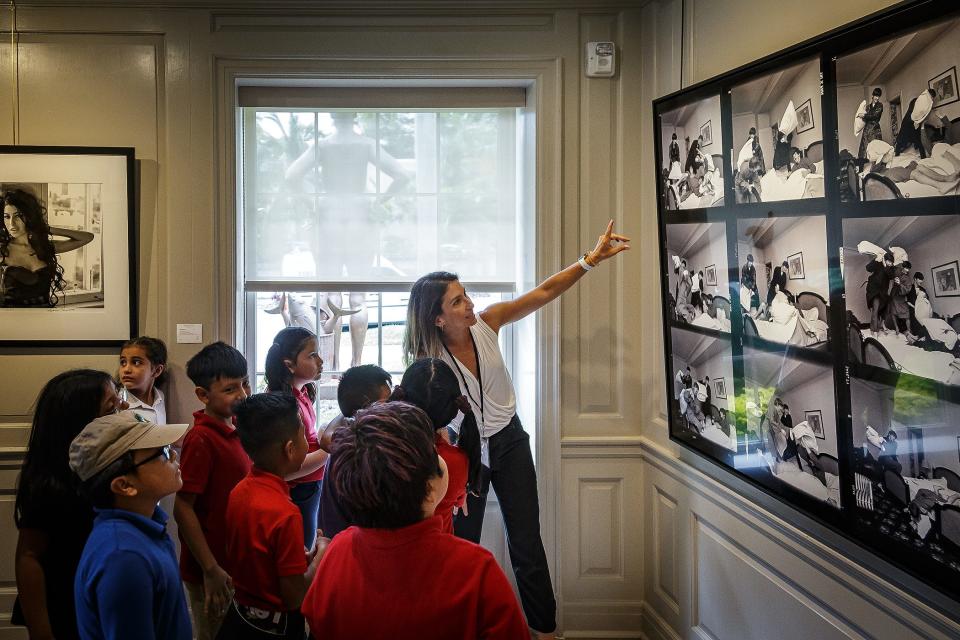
809,214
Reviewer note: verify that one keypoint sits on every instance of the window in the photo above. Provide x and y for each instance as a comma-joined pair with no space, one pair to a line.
342,210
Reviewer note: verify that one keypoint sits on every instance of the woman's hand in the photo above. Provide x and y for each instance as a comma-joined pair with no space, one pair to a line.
608,245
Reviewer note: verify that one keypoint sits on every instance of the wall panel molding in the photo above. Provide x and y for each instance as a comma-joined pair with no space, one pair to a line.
738,554
314,22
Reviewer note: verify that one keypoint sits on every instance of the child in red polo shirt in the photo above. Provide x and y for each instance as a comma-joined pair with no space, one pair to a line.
212,463
397,575
292,365
270,570
430,384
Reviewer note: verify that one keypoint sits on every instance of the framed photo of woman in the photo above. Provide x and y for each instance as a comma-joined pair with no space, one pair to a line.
946,280
67,246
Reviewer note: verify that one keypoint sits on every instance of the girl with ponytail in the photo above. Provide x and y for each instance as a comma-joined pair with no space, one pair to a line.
431,385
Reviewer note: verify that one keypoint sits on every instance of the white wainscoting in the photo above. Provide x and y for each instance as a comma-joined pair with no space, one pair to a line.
723,568
600,541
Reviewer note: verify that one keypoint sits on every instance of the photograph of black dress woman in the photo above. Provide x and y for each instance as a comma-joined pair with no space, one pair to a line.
50,245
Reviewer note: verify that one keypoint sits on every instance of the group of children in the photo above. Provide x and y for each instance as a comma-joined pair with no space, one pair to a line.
347,529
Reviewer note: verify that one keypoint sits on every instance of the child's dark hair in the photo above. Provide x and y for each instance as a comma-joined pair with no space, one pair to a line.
215,361
287,344
156,352
66,404
266,420
430,384
97,489
382,462
359,386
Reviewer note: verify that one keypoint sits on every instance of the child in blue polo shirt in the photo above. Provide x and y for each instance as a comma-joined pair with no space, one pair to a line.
128,584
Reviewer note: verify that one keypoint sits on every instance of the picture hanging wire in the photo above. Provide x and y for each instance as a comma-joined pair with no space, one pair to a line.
14,65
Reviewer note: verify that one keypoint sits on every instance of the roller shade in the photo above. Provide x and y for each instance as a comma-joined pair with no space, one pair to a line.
448,97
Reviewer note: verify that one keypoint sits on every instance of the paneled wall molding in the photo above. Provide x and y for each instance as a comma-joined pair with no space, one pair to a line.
720,517
342,6
311,21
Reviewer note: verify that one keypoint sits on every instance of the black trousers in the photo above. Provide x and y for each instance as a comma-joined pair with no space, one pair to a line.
515,480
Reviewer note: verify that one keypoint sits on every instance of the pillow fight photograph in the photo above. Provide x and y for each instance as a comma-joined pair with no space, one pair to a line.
755,288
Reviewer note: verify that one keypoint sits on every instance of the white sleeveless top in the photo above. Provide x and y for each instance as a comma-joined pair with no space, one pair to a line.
499,399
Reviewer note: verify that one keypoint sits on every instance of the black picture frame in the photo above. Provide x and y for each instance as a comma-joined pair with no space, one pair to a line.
710,275
708,136
837,359
941,83
805,108
792,261
720,388
816,425
90,191
952,273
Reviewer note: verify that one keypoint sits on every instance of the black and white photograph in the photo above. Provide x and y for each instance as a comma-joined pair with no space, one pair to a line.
778,137
721,387
782,442
64,245
899,116
895,320
692,176
700,365
944,87
946,280
710,273
697,256
815,420
784,287
907,471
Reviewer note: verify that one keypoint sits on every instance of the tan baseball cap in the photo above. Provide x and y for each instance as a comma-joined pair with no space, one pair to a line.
106,439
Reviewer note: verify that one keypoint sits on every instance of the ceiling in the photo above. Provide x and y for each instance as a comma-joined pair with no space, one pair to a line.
760,95
879,63
695,348
687,240
778,371
762,231
904,231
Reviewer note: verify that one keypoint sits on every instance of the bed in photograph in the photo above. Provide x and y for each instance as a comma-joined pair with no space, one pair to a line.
881,185
798,184
713,198
802,323
716,316
924,498
892,352
815,473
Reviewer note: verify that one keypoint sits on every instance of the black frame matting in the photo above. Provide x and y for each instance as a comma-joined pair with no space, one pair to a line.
848,520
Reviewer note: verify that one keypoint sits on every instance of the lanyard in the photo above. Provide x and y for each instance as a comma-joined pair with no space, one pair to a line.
466,388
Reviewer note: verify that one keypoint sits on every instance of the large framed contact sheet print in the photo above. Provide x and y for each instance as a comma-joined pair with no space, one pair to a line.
809,219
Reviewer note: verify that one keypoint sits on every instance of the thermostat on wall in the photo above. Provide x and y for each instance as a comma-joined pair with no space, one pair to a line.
601,59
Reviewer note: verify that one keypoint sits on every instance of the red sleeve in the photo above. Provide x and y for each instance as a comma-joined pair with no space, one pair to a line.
289,555
500,616
196,459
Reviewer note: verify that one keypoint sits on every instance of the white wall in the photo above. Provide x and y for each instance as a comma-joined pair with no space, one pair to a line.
939,56
706,110
940,248
805,86
809,236
816,394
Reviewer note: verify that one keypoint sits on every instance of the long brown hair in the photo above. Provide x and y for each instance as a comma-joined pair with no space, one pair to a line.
422,338
33,214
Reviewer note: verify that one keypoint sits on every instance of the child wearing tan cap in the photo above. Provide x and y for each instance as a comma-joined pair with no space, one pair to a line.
128,583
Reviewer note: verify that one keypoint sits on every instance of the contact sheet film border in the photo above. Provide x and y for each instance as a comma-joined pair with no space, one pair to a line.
900,19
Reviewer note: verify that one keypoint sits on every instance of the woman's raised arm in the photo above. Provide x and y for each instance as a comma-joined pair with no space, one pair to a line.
609,244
